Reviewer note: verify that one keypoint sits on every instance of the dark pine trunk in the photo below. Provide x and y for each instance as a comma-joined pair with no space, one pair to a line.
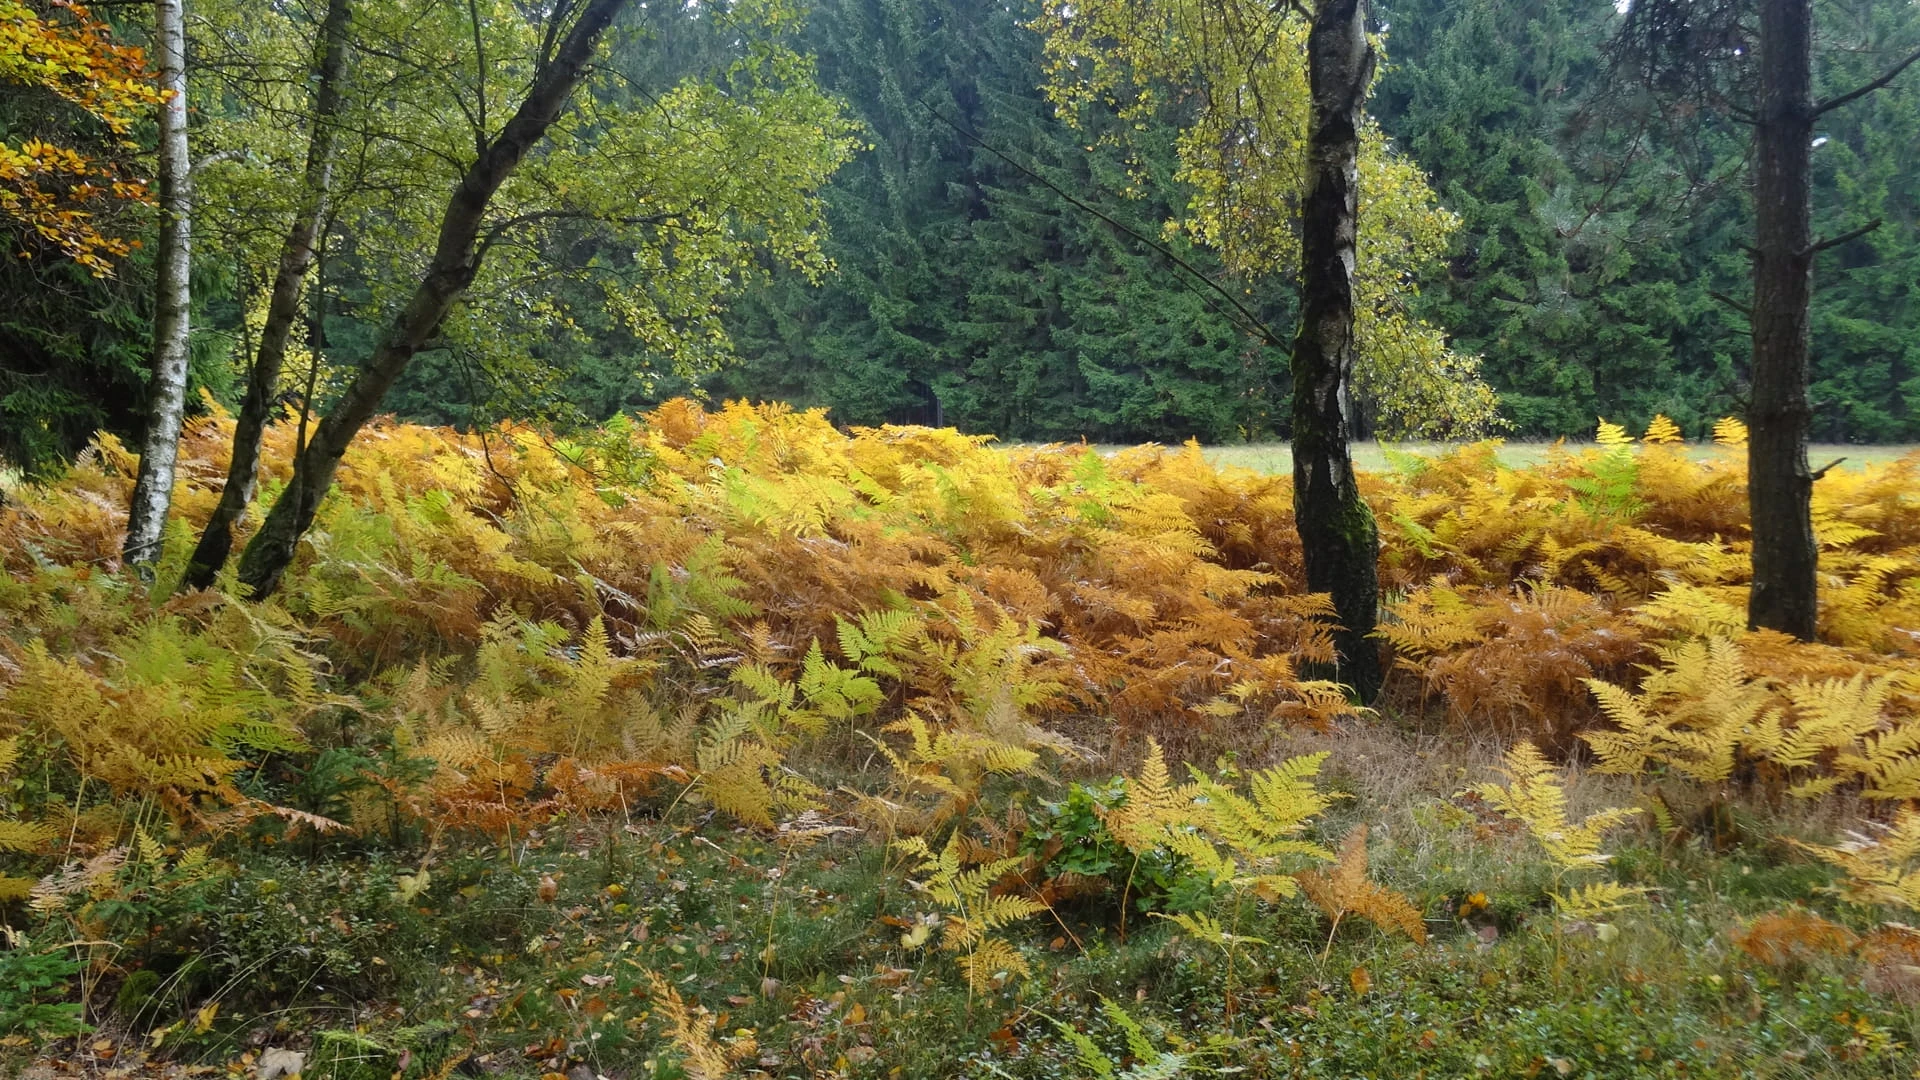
1780,483
456,260
283,304
1338,537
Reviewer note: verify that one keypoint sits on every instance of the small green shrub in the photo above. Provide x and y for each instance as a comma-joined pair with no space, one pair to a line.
1070,837
34,987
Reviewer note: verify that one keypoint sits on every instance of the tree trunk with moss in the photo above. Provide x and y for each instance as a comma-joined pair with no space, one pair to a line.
1339,539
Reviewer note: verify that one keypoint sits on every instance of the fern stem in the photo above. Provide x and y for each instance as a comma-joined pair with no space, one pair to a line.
1331,931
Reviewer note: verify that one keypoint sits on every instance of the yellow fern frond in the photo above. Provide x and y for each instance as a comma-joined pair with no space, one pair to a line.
1153,803
691,1029
1693,714
1345,889
991,964
1204,927
1533,796
1595,899
25,837
1684,610
1882,865
1284,801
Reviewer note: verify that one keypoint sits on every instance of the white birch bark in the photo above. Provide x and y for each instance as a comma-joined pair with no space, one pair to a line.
167,388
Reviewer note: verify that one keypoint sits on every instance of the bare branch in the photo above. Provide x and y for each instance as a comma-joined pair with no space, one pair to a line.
230,154
1845,237
1732,303
481,133
1854,95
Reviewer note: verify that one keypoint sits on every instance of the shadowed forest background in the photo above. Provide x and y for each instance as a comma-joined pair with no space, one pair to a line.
1583,270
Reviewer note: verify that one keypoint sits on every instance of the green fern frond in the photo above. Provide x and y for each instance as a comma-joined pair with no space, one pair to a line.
1597,898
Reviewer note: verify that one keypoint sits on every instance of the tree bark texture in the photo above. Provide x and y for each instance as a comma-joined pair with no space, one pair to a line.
1779,481
456,261
1338,536
167,385
283,302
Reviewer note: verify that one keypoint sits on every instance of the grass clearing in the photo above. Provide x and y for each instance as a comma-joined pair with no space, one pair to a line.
1277,457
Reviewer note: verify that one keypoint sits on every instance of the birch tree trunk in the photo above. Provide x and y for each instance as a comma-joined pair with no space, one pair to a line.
283,302
167,387
456,261
1779,481
1338,537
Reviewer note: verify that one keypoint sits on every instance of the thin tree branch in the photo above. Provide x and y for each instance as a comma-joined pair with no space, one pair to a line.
1732,303
232,154
1851,96
480,75
1845,237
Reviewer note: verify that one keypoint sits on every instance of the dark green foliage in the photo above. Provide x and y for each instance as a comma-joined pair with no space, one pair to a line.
34,990
970,294
1866,303
1579,271
1590,252
72,359
74,353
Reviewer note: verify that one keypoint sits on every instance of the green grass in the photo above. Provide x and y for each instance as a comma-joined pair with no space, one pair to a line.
1278,457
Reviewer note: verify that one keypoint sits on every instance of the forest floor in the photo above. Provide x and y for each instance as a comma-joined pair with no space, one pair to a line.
668,942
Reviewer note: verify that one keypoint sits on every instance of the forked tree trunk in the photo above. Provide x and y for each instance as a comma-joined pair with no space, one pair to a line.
283,303
456,260
1779,481
167,386
1338,537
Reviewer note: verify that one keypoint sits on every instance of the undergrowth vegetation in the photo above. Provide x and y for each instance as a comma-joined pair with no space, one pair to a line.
731,743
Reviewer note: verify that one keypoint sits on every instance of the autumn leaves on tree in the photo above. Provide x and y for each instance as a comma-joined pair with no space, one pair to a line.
60,194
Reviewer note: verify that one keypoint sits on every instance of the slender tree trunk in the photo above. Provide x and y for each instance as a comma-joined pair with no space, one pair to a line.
283,303
167,388
1779,482
456,260
1338,537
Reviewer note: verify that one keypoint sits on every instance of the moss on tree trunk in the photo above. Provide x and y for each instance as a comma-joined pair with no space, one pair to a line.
1338,537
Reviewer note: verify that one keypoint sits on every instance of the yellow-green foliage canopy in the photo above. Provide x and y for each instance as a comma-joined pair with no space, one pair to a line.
1235,70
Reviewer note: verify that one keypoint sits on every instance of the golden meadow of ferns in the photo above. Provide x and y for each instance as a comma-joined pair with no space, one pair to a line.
566,623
